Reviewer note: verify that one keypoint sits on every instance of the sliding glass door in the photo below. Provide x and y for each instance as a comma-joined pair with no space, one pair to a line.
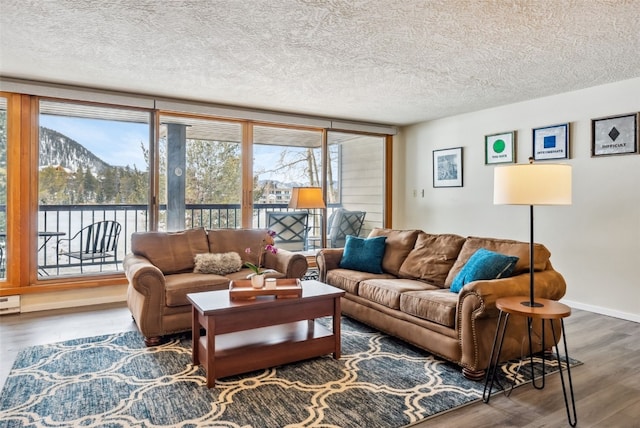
93,186
357,176
283,159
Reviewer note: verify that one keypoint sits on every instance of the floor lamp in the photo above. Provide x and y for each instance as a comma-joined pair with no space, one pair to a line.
532,184
308,198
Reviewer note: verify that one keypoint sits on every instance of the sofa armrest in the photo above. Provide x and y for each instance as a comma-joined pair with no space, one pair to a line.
143,275
145,294
291,264
328,259
477,314
549,284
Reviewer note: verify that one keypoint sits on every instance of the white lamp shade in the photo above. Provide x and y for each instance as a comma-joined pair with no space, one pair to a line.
306,198
532,184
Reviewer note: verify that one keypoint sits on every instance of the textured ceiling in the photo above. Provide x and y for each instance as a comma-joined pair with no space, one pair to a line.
387,61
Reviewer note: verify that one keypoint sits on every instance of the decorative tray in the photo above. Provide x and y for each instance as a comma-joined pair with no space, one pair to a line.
286,288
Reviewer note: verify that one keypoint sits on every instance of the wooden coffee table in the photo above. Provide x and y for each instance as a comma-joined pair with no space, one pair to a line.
245,335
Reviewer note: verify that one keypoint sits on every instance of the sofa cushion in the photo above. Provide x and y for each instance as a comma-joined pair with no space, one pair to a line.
503,246
177,286
484,264
387,292
363,254
171,252
218,263
438,306
432,257
238,240
398,245
349,280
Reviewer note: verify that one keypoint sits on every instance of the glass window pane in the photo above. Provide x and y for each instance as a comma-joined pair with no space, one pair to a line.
358,165
3,186
285,158
200,173
93,183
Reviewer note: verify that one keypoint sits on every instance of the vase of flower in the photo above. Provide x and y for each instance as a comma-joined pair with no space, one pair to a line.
257,277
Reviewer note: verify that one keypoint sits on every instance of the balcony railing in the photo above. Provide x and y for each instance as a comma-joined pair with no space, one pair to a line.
64,221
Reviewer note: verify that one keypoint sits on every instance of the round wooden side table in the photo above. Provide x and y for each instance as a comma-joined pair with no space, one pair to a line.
549,310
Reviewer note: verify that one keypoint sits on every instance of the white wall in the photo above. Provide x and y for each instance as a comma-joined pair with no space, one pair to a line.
595,243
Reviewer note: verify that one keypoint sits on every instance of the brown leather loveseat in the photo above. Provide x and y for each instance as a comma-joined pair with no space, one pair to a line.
160,270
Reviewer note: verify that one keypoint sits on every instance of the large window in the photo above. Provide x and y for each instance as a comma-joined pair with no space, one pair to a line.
93,186
78,178
200,173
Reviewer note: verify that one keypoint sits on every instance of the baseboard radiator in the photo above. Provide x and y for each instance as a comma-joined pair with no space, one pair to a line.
9,305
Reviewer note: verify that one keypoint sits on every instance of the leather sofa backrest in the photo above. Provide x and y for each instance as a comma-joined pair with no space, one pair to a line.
238,240
171,252
398,245
509,247
432,258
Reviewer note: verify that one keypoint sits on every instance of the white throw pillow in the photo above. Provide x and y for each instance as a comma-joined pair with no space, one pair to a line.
218,263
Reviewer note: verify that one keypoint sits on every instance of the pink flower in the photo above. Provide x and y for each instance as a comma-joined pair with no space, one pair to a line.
264,248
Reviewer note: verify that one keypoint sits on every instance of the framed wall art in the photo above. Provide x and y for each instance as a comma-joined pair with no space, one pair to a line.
447,167
551,142
615,135
500,148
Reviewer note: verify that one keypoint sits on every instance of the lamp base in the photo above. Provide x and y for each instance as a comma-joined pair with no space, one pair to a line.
532,304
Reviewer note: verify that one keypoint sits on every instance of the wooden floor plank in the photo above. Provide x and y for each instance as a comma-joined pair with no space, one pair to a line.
607,385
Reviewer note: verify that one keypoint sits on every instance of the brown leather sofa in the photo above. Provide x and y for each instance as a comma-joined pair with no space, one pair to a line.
411,299
160,270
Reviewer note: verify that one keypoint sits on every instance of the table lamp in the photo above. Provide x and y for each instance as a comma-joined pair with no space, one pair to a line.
308,198
532,184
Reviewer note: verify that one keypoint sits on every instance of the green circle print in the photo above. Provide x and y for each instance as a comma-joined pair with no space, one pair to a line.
499,146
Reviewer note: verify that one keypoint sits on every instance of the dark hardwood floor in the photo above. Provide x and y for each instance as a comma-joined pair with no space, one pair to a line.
607,385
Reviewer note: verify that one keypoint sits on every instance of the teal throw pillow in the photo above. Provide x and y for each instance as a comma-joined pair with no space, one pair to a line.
484,264
362,254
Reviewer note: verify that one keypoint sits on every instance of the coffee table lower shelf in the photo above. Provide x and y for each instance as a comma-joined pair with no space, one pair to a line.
261,348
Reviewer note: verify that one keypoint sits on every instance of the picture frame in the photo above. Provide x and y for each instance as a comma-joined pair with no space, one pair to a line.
614,135
500,148
551,142
447,167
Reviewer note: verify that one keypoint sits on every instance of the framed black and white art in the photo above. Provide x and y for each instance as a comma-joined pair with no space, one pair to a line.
447,167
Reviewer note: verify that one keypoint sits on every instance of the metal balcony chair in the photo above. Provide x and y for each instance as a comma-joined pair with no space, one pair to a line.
95,243
342,223
291,229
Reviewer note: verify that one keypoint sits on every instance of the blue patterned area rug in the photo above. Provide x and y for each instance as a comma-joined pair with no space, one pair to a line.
115,381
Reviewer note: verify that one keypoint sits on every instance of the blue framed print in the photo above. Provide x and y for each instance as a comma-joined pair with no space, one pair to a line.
551,142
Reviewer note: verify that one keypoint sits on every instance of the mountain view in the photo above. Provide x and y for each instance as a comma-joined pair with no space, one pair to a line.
59,150
71,174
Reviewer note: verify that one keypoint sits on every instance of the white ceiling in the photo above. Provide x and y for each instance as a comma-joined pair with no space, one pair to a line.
388,61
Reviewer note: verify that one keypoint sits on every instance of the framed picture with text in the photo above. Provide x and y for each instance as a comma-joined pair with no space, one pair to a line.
551,142
500,148
615,135
447,167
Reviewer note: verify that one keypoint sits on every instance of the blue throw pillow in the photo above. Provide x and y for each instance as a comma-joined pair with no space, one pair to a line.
484,264
364,255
